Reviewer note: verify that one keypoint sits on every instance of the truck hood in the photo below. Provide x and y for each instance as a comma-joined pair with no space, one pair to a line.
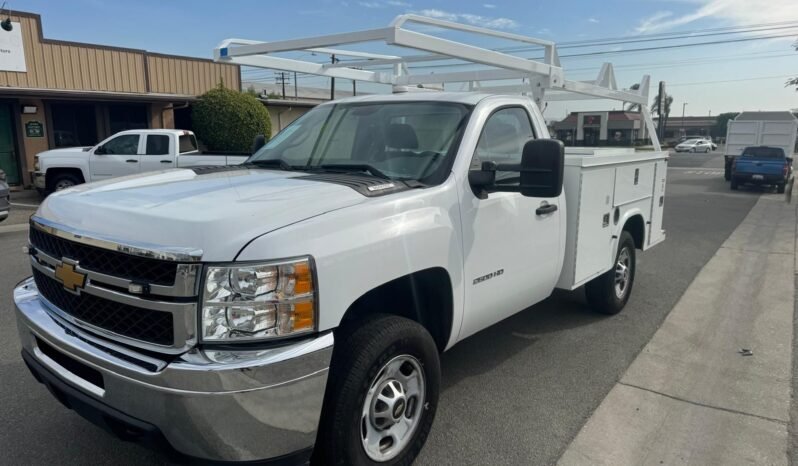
64,151
215,211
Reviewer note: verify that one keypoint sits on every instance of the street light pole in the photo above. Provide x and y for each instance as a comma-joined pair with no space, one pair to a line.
683,131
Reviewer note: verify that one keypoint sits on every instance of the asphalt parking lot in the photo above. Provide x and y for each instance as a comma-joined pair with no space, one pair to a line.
515,393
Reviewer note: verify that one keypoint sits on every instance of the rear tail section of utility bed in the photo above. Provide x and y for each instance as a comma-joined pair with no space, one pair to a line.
608,190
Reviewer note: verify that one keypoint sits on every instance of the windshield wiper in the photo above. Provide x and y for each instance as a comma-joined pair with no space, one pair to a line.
356,167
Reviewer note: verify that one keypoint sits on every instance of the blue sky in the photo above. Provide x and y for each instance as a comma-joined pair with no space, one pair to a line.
695,75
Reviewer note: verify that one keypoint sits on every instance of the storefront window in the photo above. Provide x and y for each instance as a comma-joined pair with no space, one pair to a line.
74,125
124,117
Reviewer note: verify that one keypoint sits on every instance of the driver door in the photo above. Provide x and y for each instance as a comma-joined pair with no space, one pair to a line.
117,156
512,247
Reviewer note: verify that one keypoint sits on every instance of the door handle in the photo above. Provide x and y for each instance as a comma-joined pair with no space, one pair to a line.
131,161
166,161
546,209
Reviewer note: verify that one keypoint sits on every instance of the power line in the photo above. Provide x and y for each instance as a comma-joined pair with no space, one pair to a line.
731,80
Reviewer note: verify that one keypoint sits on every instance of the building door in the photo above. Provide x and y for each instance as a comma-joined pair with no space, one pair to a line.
8,156
591,137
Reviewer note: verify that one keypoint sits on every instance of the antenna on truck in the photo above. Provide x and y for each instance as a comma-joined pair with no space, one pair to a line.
543,80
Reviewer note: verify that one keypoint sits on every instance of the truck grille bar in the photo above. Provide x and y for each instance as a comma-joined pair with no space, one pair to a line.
161,319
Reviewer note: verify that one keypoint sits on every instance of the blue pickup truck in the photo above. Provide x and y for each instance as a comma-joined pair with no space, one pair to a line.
761,165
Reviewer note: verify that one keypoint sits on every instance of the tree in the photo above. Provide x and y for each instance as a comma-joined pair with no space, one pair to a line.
632,107
721,123
251,91
227,120
793,81
666,110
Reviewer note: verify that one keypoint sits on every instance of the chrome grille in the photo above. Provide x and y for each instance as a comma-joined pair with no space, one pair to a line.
104,261
159,313
141,324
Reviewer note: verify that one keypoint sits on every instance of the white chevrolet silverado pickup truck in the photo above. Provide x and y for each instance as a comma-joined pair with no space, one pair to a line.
124,153
294,307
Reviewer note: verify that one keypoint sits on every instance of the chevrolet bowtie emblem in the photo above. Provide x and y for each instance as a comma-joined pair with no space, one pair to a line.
72,279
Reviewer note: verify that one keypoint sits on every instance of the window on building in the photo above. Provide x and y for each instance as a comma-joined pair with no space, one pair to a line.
73,125
157,144
122,117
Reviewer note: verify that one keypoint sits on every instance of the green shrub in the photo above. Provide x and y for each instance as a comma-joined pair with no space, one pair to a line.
228,120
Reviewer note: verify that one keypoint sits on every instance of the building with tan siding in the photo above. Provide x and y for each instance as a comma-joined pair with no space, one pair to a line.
55,93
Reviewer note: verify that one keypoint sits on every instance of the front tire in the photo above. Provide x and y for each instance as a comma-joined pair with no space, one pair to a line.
64,181
780,188
382,393
608,293
734,185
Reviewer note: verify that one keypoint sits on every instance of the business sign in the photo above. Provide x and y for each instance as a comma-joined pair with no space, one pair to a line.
591,120
34,129
12,52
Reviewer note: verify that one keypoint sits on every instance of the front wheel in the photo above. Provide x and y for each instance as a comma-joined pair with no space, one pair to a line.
64,181
382,393
608,293
734,185
780,188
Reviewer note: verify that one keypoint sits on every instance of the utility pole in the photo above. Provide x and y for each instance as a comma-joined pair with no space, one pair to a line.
354,87
296,91
332,80
661,111
281,78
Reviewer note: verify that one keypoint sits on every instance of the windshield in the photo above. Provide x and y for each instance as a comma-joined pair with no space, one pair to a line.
396,140
764,152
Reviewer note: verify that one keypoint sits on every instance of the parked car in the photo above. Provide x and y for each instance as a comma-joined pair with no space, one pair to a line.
762,165
694,145
124,153
5,197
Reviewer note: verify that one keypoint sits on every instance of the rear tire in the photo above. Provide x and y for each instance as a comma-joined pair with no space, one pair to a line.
608,293
381,366
780,188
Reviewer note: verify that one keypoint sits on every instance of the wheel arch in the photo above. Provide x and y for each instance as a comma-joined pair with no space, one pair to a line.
52,173
425,296
635,224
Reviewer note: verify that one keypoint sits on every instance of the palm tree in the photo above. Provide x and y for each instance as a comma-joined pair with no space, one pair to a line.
666,109
632,107
793,81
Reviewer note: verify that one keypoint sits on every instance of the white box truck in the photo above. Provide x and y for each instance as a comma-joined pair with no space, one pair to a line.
296,304
748,129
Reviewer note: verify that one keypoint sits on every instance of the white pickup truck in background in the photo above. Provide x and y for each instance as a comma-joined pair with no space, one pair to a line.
124,153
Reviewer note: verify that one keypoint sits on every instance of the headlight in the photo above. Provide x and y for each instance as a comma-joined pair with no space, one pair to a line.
258,301
36,163
2,175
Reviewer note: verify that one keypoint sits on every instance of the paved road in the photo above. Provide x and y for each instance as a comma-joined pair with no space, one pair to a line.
516,393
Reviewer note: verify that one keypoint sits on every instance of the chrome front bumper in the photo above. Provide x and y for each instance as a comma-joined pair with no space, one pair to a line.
216,405
39,181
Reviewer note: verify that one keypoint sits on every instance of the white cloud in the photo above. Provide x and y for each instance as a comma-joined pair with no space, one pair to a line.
398,3
370,4
735,11
489,6
592,20
476,20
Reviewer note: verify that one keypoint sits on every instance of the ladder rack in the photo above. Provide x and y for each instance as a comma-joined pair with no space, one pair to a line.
543,81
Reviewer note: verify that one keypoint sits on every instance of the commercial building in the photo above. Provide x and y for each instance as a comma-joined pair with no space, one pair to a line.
55,93
678,127
609,128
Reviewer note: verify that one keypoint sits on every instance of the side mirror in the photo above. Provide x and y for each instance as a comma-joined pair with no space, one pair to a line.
258,142
789,160
100,150
541,171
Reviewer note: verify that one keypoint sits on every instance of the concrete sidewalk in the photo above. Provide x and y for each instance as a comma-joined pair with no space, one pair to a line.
690,397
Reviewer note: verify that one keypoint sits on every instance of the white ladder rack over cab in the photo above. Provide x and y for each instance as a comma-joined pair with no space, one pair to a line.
543,80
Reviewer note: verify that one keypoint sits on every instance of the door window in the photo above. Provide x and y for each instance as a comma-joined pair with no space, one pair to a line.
157,144
127,144
503,139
